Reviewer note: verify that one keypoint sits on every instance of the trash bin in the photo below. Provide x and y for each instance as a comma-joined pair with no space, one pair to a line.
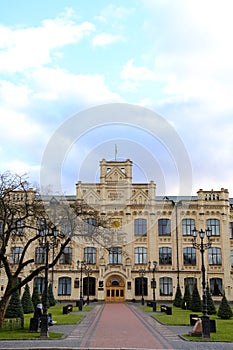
169,310
212,326
34,324
193,319
65,310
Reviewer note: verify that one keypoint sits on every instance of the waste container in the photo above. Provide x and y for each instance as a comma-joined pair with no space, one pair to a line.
193,319
34,324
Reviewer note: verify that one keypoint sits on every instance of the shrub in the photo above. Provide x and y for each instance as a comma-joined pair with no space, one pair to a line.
26,301
195,304
224,310
178,297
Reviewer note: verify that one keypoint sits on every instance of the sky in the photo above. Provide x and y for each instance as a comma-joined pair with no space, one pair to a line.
68,67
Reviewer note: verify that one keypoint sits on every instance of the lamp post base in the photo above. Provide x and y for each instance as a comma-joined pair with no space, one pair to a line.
80,305
205,326
154,305
44,326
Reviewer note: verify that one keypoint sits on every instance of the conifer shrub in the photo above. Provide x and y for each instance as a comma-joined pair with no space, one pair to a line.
186,299
26,301
224,310
178,297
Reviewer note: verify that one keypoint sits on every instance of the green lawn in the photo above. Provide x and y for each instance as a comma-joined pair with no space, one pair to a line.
56,311
181,317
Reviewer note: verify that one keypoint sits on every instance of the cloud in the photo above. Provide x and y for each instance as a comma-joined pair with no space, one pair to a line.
24,48
105,39
59,85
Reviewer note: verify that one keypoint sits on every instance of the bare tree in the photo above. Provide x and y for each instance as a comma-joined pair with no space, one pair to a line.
22,212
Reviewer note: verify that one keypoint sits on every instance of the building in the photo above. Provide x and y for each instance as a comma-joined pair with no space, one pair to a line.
126,228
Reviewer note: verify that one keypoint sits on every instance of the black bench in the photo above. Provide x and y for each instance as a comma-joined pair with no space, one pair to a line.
67,309
166,309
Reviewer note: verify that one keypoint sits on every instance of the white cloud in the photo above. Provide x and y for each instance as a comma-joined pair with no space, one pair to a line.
132,72
105,39
14,96
33,47
57,84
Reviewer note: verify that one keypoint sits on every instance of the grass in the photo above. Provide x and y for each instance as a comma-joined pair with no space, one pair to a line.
180,317
57,315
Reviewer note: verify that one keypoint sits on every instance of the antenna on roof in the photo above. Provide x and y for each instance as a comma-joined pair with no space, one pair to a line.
115,152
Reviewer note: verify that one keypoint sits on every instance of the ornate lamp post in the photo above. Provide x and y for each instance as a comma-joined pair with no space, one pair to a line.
45,244
80,265
154,285
88,271
202,247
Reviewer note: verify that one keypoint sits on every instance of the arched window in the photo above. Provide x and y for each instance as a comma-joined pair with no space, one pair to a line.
216,286
66,257
165,256
189,255
39,284
214,225
139,284
190,281
15,256
164,227
187,226
215,256
64,286
140,255
90,286
90,255
140,227
40,255
165,284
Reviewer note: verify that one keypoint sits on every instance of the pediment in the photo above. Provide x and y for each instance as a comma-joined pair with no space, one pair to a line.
139,197
91,197
115,175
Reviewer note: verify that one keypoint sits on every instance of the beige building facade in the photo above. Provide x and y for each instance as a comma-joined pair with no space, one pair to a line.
126,228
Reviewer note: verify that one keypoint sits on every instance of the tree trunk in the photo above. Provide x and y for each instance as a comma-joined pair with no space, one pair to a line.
3,306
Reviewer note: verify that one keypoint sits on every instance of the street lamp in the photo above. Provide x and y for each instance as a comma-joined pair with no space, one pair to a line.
80,303
154,285
45,244
88,271
202,247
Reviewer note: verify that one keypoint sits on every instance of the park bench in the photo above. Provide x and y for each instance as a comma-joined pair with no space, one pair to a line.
166,309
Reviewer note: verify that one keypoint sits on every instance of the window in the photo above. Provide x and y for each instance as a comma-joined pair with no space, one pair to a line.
89,288
214,255
90,255
66,257
64,286
164,227
165,284
1,227
165,256
115,254
90,225
214,225
16,253
141,282
39,284
140,227
40,255
231,258
140,255
216,286
187,226
189,255
190,282
18,227
42,228
231,229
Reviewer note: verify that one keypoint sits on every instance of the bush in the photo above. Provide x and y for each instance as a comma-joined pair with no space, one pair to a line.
195,304
178,297
14,309
224,310
52,301
186,299
211,309
27,301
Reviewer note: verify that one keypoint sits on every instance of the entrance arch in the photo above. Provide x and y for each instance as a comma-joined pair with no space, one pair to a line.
115,289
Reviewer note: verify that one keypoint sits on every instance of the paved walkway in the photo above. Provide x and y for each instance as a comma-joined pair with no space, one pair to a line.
117,326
